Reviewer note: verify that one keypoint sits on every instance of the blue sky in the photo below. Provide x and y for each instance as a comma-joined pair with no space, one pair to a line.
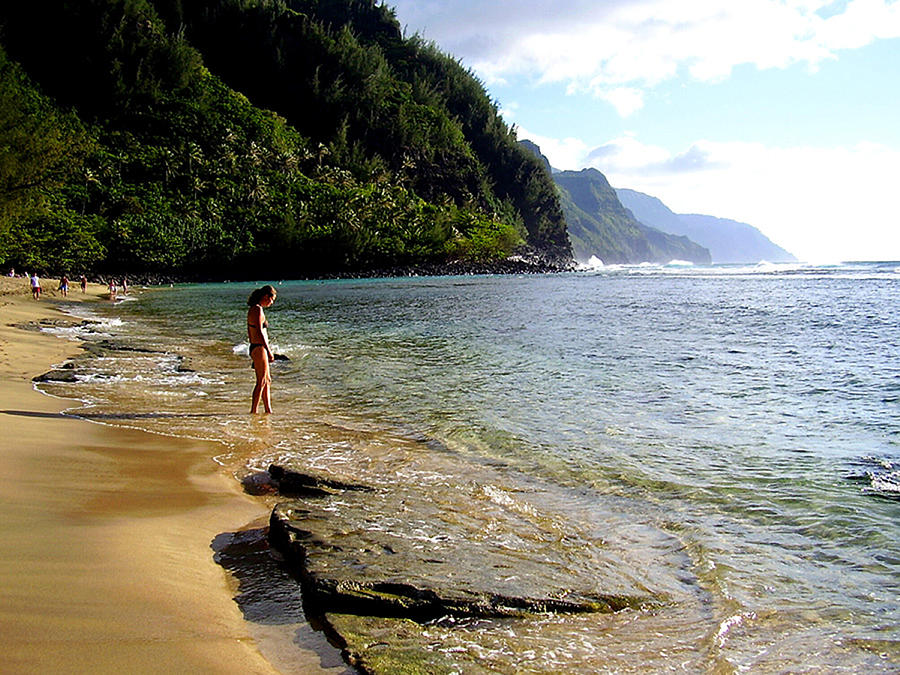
781,113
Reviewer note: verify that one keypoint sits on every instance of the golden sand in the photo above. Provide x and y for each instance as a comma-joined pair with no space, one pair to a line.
105,564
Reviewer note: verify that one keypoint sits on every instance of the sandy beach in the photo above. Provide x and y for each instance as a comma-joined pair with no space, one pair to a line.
106,564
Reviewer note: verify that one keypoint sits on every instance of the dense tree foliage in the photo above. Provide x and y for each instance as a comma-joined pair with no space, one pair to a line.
41,150
340,71
128,147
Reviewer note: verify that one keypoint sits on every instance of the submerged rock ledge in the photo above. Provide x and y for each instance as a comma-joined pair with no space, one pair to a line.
376,578
334,588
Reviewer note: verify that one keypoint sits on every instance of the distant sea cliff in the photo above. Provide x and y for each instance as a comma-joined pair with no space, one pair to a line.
599,226
625,226
728,241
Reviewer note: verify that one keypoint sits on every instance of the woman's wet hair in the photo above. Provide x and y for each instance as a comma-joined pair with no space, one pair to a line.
259,294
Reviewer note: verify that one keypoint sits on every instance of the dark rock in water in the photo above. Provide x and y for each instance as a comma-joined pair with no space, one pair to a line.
296,484
416,558
379,566
366,571
281,357
184,366
120,347
56,376
259,483
391,645
386,559
103,347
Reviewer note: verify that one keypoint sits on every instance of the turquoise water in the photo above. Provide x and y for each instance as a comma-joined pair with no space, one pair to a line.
731,435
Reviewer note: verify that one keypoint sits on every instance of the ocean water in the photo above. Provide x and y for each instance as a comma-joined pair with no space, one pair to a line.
727,437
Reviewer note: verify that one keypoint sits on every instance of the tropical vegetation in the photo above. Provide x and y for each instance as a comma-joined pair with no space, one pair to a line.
242,138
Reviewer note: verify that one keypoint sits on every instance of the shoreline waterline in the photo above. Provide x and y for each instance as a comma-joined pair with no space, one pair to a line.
110,561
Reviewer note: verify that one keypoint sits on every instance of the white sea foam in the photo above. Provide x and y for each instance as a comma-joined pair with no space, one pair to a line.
762,268
729,623
885,483
87,314
69,332
93,327
92,378
594,263
178,379
243,349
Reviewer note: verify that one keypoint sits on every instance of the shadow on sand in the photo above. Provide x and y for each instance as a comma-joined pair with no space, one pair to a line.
104,416
270,597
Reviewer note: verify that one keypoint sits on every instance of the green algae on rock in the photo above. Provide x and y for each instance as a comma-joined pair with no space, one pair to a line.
368,571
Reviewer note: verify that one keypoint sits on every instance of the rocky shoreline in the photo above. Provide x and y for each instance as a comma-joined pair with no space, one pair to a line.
424,560
524,263
380,589
382,563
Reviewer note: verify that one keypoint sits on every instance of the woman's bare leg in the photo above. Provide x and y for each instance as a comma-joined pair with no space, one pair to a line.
263,378
266,400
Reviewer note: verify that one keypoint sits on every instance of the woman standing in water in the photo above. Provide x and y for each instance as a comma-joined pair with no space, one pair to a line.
260,351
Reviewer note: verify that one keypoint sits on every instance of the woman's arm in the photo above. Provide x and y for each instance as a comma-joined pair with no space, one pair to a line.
264,333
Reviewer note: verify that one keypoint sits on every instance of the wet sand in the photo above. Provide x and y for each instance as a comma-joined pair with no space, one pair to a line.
106,563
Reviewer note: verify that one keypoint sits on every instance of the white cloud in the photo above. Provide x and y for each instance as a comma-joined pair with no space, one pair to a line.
625,154
564,154
509,112
819,203
615,49
626,100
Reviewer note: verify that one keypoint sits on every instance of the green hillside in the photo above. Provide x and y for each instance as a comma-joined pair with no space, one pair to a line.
600,226
245,137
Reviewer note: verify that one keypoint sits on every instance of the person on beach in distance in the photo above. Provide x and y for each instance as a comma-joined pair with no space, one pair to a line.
83,283
260,351
64,286
35,287
112,289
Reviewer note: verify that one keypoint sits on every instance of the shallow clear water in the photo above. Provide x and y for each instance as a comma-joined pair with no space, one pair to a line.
731,435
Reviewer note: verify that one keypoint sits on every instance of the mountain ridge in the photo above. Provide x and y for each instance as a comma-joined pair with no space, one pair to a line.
601,227
729,241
